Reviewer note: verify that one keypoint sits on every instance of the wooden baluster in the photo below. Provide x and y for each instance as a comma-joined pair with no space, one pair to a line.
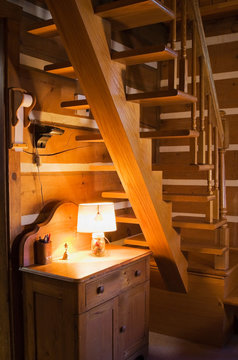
222,169
202,137
172,81
183,74
216,176
194,142
209,212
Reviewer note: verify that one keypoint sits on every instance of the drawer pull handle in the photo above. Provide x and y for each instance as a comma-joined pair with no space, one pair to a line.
123,329
100,289
137,273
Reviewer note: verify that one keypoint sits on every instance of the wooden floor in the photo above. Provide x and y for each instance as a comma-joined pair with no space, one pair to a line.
163,347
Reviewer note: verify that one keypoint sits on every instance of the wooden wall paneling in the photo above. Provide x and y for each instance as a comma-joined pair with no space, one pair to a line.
197,316
5,336
49,89
141,77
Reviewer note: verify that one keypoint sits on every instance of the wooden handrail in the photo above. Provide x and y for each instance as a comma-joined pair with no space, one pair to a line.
208,69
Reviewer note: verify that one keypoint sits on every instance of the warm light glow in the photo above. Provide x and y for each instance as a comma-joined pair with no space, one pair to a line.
96,217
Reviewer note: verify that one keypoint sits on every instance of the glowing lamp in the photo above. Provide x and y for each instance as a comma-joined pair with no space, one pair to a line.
96,218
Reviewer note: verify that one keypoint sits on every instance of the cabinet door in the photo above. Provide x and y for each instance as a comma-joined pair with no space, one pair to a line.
97,332
133,320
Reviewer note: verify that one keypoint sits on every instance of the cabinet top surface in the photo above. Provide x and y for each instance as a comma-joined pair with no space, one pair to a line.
82,265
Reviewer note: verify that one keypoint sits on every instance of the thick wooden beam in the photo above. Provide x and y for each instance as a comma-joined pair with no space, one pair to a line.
101,79
5,341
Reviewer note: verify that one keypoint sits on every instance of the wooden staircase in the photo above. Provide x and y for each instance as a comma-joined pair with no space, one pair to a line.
118,118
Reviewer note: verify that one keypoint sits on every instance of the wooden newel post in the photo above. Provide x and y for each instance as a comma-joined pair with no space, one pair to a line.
222,168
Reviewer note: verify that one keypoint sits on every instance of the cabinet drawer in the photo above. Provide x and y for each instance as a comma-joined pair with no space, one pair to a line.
103,289
106,287
134,274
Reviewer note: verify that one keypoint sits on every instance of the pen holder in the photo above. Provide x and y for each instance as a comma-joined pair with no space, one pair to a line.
43,252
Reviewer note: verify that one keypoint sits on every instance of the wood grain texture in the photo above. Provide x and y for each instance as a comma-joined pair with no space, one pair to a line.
162,97
127,14
144,55
107,102
165,134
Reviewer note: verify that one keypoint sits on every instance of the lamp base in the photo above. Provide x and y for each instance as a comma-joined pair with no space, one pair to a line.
98,244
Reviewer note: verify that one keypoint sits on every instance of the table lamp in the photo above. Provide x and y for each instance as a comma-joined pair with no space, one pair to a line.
96,218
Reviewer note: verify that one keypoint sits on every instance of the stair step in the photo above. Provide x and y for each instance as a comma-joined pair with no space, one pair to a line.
169,134
147,54
75,105
89,138
45,28
162,97
188,197
63,68
182,168
203,249
232,299
127,218
114,195
136,240
128,14
187,222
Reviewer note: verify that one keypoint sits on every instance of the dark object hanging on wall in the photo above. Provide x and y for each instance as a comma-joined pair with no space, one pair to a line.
42,133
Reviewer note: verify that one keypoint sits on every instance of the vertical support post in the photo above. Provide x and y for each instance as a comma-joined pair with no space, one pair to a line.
202,137
216,176
183,74
194,142
172,80
222,168
209,212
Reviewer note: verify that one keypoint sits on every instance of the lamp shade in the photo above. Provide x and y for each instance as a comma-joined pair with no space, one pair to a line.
96,217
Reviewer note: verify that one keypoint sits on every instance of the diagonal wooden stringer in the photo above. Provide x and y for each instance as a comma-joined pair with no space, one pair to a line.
83,34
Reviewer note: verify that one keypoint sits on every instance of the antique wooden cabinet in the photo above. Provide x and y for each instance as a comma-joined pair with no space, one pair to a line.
88,308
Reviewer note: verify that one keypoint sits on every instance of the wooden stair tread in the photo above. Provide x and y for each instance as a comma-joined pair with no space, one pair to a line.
114,195
128,14
188,197
182,168
203,249
144,55
89,138
75,104
127,218
189,222
169,134
45,28
63,68
162,97
232,299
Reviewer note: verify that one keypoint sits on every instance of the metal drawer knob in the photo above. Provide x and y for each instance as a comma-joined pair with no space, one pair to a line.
123,328
137,273
100,289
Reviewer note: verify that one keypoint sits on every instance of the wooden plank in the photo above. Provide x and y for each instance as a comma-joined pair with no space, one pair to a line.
161,97
128,14
144,55
188,198
221,8
127,218
114,195
63,69
5,339
165,134
189,222
75,105
46,28
92,63
201,248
